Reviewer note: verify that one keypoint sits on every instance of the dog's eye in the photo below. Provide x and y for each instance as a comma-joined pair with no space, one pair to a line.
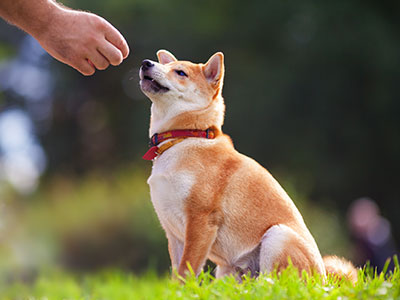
180,73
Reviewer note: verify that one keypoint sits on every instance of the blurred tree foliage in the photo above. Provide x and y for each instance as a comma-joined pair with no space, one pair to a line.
311,87
107,221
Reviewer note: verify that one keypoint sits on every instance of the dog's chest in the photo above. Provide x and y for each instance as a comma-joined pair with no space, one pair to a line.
169,188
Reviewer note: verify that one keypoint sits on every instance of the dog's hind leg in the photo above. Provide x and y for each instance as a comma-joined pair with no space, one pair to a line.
280,243
222,271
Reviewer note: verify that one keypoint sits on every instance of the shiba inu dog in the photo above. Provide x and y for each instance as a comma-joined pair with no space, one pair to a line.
213,202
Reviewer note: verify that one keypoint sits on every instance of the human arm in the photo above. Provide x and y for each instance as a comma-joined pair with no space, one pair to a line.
80,39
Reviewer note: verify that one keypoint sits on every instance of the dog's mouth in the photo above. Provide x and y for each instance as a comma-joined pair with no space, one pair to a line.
149,84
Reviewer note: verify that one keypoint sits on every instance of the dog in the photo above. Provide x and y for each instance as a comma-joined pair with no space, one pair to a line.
213,202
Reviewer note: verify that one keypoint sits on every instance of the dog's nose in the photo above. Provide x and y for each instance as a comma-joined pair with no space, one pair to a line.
147,64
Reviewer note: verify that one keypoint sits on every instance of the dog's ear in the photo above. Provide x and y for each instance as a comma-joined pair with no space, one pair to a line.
165,57
214,68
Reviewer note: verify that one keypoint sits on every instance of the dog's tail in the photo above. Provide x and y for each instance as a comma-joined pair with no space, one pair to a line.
341,268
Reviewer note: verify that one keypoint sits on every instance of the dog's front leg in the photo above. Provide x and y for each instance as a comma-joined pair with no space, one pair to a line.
201,232
175,249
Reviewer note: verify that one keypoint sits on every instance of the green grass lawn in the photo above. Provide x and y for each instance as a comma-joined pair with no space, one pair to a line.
122,285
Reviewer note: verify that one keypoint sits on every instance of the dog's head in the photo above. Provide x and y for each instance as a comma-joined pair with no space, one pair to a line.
181,80
178,87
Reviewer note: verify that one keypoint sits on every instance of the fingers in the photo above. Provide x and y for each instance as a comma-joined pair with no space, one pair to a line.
112,49
115,38
98,60
109,52
90,63
85,67
95,47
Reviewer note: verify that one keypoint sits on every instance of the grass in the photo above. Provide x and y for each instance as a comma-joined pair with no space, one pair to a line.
286,285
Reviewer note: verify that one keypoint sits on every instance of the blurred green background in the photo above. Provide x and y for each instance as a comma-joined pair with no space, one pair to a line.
312,93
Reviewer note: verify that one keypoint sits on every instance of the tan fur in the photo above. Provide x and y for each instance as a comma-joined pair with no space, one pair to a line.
232,211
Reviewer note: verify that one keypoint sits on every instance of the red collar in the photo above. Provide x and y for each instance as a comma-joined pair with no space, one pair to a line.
158,138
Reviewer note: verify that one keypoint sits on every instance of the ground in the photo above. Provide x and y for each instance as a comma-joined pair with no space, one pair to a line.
116,284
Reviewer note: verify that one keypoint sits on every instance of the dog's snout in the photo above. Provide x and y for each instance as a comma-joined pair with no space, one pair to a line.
147,64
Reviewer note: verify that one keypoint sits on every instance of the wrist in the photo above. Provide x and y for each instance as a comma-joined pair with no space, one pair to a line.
43,18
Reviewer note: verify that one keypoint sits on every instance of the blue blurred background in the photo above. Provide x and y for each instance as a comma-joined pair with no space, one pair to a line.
312,93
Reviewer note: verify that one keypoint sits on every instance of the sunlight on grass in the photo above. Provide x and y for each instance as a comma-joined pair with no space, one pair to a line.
288,284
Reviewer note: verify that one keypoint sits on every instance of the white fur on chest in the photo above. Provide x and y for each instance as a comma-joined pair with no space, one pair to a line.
169,189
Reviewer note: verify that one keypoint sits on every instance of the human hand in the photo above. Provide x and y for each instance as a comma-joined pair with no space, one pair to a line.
82,40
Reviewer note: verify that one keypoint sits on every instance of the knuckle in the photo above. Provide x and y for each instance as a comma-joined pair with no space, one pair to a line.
100,24
118,42
91,40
